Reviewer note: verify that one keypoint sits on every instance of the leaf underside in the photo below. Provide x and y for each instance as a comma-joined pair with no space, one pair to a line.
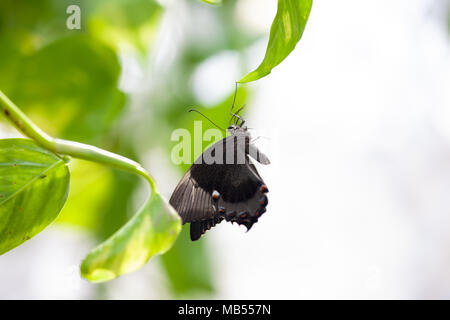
287,29
151,231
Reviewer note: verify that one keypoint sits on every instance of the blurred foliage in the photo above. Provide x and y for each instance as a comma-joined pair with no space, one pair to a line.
188,266
129,25
75,80
67,81
85,208
213,1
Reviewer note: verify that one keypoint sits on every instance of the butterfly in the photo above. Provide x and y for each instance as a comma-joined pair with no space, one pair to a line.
223,184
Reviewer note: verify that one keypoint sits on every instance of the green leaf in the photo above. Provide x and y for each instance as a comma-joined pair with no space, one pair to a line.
34,184
73,81
287,29
151,231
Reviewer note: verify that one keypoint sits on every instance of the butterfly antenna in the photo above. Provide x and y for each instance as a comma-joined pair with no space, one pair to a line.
240,109
232,105
207,119
259,137
235,115
238,117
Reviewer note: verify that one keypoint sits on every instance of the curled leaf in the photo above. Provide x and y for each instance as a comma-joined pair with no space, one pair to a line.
287,29
151,231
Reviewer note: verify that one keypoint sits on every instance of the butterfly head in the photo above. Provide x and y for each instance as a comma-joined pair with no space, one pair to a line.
234,128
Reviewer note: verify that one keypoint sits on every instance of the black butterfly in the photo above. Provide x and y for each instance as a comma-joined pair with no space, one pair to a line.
223,184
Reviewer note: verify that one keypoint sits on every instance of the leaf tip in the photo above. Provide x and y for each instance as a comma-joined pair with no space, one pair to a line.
98,275
253,76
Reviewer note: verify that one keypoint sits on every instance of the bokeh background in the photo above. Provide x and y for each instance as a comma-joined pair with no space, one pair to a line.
356,122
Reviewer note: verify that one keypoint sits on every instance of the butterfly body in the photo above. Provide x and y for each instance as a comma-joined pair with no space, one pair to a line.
222,184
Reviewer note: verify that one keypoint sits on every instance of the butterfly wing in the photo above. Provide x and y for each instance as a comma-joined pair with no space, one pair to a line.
210,193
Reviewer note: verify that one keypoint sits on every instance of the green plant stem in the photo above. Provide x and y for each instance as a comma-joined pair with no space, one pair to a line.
70,148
